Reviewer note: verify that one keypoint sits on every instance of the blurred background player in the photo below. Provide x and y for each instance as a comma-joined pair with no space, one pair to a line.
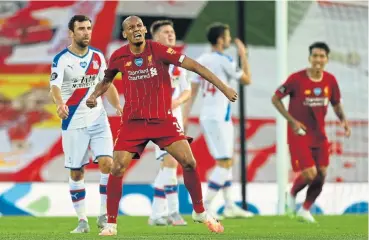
75,72
147,115
165,207
215,115
310,92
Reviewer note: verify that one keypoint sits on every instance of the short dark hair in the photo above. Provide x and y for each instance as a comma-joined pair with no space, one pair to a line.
77,18
216,30
158,24
320,45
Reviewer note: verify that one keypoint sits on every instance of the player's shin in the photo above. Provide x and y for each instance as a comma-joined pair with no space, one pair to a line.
114,194
193,184
216,182
314,190
103,183
159,202
171,189
227,190
299,183
78,193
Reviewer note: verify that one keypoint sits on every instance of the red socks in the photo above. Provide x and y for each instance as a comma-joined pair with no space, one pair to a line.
114,194
193,184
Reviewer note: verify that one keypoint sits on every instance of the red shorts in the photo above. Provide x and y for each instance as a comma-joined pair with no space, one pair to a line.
304,156
134,134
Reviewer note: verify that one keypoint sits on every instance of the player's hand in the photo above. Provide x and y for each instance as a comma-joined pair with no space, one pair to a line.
298,128
63,111
175,103
241,47
231,94
119,110
347,129
91,102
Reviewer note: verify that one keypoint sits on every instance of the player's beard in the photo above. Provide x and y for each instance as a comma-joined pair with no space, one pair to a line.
81,44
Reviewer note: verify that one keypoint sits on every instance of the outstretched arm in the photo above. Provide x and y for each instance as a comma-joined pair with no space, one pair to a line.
338,110
196,67
101,87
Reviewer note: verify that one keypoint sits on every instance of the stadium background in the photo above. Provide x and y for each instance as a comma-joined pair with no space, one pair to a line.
32,175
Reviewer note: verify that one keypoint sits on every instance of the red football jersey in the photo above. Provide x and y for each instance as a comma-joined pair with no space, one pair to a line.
147,85
309,103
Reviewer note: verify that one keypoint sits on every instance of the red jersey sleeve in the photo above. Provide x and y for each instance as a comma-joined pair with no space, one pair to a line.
336,93
167,54
287,88
112,68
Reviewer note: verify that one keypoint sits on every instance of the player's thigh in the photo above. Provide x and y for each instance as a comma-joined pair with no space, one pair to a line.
75,147
101,143
301,156
219,137
321,155
181,151
131,137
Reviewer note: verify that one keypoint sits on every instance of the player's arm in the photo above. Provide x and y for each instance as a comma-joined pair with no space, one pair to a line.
245,77
169,56
185,88
194,66
284,90
113,98
338,108
195,85
104,85
56,81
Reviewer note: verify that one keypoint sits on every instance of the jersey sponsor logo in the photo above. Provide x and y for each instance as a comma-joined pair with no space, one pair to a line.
138,62
282,89
95,64
53,76
142,74
317,91
316,101
83,64
84,81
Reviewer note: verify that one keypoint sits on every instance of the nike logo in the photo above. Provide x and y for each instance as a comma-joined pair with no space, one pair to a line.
70,66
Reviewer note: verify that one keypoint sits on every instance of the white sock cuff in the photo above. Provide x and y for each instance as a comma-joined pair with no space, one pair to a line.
169,176
104,179
76,185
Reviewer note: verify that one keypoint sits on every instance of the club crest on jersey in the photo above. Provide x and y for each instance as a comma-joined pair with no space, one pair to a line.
95,64
83,64
138,62
317,91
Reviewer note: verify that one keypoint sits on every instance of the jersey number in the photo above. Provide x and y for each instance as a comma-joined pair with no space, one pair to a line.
207,87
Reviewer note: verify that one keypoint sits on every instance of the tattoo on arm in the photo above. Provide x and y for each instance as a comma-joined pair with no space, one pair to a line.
339,112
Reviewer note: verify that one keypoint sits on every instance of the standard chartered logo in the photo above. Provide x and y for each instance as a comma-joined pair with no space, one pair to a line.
142,74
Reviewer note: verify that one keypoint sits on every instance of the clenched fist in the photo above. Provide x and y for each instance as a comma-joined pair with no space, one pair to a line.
91,102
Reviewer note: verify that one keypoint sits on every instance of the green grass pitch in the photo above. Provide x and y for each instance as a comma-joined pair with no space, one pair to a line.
350,227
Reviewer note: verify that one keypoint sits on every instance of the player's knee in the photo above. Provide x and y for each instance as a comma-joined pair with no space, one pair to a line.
118,169
77,175
189,164
105,164
225,163
310,174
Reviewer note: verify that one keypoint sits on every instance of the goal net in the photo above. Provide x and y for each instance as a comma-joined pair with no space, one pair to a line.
343,26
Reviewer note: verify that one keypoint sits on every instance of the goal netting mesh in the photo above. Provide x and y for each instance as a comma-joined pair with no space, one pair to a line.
343,26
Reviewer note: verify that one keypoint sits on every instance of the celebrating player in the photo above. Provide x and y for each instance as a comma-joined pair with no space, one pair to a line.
215,116
310,91
165,207
75,72
147,114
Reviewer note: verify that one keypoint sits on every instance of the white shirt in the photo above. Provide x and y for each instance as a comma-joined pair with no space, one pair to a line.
180,83
77,77
215,105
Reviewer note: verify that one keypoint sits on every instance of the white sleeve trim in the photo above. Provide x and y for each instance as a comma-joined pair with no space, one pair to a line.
182,57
